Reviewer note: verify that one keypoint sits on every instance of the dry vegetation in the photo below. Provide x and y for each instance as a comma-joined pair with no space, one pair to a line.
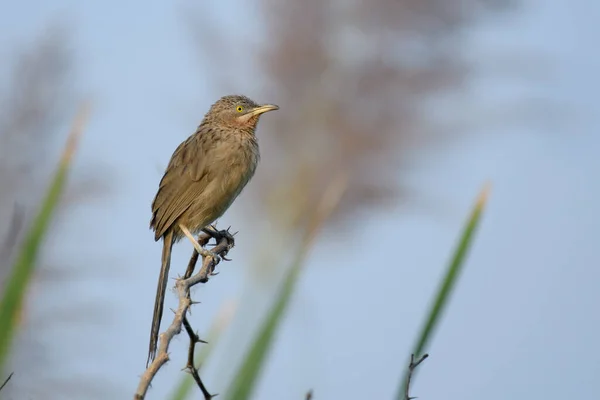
353,78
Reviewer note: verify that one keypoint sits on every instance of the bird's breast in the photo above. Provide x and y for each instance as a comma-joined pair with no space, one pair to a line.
233,168
240,166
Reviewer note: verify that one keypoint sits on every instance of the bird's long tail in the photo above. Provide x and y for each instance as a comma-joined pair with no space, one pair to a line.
160,295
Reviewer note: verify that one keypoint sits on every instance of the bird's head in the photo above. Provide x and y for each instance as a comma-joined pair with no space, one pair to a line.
236,111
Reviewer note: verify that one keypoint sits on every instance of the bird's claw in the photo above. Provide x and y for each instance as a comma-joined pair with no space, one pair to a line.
226,234
216,259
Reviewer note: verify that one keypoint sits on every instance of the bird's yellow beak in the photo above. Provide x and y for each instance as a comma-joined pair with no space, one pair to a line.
263,109
258,110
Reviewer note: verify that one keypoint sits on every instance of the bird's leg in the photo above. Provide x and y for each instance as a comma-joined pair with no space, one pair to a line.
212,231
199,249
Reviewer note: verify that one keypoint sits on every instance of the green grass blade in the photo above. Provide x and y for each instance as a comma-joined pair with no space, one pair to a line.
447,284
186,384
248,373
250,369
22,270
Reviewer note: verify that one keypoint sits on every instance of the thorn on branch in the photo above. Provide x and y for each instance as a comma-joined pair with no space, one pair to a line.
411,368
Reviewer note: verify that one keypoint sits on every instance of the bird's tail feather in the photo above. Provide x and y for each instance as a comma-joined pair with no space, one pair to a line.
160,295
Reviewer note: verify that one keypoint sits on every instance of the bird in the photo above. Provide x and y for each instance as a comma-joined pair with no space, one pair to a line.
205,174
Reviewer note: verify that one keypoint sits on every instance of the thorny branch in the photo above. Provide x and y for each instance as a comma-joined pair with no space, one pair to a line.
411,367
224,243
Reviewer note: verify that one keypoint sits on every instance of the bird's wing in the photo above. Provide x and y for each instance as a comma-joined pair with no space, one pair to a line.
185,178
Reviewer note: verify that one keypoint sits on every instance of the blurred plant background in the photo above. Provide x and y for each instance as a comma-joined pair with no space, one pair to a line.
412,104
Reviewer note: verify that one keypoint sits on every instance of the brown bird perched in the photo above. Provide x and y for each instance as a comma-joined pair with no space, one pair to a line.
204,176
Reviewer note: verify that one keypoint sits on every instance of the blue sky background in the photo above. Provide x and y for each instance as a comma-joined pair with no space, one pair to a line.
524,323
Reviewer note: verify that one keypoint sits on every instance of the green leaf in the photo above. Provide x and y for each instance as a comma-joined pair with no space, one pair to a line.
248,373
447,284
246,377
22,271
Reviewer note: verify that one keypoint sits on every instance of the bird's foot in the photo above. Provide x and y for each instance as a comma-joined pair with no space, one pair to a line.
216,259
225,234
212,231
219,235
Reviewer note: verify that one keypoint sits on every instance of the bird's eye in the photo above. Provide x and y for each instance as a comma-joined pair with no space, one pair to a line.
239,108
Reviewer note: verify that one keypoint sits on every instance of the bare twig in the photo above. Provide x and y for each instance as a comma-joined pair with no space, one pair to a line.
6,381
183,285
194,338
411,367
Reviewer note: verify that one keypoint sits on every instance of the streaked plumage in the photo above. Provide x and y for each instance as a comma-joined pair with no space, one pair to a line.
204,176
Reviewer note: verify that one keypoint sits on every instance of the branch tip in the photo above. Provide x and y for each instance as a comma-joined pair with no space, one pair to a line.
411,368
